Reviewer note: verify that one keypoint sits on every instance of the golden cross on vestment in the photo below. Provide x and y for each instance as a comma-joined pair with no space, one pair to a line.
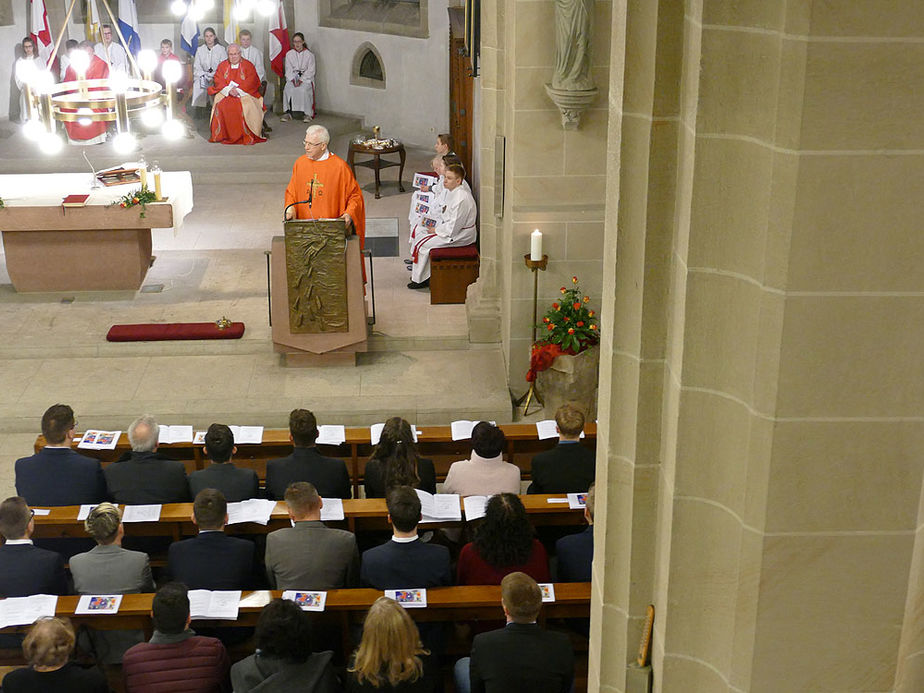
313,186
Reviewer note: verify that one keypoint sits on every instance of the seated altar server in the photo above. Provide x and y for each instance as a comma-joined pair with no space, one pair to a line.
113,54
94,132
453,225
208,56
298,94
237,115
324,183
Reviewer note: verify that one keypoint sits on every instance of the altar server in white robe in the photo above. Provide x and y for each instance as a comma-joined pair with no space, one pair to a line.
113,54
23,69
433,197
454,226
253,54
208,57
298,95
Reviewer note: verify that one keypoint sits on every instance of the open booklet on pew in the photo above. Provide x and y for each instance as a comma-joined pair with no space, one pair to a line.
174,434
462,429
221,604
141,513
256,510
99,440
547,428
243,435
331,435
439,507
23,611
375,432
98,604
475,507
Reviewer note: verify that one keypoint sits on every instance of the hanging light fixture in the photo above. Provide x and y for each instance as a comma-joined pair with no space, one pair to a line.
118,99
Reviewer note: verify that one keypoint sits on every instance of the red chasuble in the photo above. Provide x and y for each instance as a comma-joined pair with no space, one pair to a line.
98,70
237,120
333,192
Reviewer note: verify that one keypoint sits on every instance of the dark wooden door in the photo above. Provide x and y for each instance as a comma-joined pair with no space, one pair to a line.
461,89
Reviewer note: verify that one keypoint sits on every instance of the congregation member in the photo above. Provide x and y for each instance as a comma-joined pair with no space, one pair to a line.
145,476
309,555
298,93
569,467
453,226
485,472
521,656
110,569
93,132
405,560
212,560
328,475
284,661
47,648
166,53
576,551
209,56
27,63
237,113
391,657
56,474
26,569
175,659
395,462
113,54
327,185
504,543
236,484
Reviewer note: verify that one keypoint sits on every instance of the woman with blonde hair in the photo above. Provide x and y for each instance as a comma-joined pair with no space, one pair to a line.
48,648
390,656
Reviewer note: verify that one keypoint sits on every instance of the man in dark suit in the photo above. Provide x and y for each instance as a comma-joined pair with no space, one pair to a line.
404,560
145,476
576,551
569,466
310,555
26,569
57,475
212,560
521,656
235,484
329,476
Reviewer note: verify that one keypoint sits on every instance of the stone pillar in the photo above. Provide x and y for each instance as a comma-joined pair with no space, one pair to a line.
760,400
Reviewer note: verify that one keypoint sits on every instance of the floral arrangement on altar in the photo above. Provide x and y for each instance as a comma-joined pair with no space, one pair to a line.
142,196
570,328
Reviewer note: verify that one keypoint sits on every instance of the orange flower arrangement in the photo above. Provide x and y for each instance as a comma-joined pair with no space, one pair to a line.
569,324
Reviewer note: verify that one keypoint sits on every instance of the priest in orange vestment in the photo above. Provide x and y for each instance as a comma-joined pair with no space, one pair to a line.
237,114
324,184
94,132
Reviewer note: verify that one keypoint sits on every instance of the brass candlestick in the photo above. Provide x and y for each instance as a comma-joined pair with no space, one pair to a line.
534,266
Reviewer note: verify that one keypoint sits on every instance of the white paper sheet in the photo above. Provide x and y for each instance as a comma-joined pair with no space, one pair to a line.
175,434
256,510
141,513
331,435
474,506
99,440
548,591
548,429
332,510
41,511
462,429
244,435
22,611
84,512
306,599
98,604
576,501
412,598
439,507
375,432
556,500
199,438
221,604
256,599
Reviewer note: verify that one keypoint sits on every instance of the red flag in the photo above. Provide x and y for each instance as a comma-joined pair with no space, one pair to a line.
278,40
41,34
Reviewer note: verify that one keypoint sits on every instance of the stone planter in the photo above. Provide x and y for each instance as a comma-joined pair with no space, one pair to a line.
571,379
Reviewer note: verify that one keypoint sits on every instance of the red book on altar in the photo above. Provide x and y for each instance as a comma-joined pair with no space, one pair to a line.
75,200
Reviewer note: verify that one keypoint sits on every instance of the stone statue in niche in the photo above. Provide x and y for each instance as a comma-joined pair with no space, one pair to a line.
572,88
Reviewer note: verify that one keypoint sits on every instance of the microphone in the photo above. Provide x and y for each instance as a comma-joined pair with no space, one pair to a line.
300,202
310,195
94,183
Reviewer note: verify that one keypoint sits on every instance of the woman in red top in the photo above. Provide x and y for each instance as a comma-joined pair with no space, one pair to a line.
504,543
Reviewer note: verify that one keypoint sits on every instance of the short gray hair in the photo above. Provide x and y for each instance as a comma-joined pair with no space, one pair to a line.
145,439
322,132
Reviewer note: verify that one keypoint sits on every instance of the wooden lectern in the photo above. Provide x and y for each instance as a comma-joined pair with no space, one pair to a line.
317,302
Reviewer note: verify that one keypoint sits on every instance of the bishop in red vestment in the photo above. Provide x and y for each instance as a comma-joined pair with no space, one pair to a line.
237,115
95,132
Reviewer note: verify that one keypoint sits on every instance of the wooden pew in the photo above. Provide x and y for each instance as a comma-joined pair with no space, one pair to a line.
343,607
360,515
434,442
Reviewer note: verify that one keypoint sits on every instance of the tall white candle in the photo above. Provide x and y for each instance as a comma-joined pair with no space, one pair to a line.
535,246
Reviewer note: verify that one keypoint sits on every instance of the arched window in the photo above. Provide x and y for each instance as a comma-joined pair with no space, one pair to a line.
368,67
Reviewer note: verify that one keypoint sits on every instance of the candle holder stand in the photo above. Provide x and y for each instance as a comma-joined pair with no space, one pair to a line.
534,266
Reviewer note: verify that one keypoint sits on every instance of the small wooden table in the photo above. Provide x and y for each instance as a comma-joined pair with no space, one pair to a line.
377,163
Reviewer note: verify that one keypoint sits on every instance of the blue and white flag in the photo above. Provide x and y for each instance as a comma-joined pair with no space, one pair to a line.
128,25
189,35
